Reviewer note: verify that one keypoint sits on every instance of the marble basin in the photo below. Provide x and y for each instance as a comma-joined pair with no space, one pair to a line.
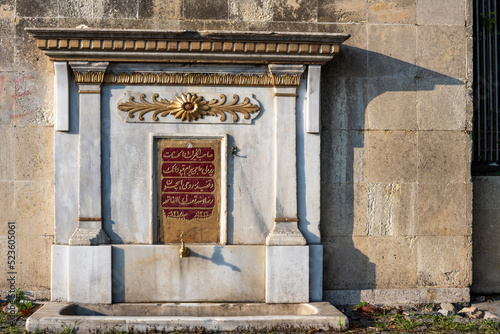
184,316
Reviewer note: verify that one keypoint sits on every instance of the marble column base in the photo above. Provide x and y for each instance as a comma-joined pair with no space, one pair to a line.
89,233
285,233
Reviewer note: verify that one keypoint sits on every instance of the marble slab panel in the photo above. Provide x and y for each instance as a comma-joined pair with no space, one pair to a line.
287,274
89,274
144,273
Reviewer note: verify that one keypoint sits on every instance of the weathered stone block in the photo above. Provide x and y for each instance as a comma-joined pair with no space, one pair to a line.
395,261
114,9
7,207
391,209
251,10
160,10
391,156
34,205
441,49
443,107
442,209
75,8
27,55
34,152
7,153
469,208
39,8
346,263
295,10
342,11
391,104
112,23
292,26
469,33
281,26
392,11
7,89
442,157
351,61
344,210
7,8
205,10
7,50
444,12
342,157
32,261
343,103
398,297
444,261
31,99
387,55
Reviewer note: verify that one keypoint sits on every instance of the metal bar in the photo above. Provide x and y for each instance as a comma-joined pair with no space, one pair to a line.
490,84
484,88
495,81
477,93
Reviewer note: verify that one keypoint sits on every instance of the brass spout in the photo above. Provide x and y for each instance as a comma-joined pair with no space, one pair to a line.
184,251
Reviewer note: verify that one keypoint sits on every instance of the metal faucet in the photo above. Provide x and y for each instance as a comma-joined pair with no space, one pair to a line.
184,251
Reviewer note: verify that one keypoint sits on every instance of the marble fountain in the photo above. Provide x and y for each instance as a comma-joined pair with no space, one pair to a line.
187,180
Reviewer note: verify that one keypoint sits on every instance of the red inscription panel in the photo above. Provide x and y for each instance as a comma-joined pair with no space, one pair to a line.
188,154
201,185
193,169
189,190
170,200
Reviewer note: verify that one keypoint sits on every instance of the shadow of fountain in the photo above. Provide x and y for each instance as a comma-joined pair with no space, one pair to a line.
350,82
216,258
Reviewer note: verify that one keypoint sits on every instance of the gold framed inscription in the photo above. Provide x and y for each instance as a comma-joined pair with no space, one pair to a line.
189,190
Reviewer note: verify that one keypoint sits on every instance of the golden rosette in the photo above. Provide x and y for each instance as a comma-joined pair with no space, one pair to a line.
188,107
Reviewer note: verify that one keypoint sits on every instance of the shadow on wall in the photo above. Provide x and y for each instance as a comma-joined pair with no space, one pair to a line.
357,96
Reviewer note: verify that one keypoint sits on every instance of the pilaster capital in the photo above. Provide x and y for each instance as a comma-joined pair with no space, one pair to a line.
88,72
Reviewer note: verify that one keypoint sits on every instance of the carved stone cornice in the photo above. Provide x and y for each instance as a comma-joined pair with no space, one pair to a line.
187,46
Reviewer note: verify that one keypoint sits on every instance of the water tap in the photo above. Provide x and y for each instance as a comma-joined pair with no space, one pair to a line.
184,251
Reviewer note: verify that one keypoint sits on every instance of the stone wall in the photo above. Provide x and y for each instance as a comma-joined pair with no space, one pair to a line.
396,192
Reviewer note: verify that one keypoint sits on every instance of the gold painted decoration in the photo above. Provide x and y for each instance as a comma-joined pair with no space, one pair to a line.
89,77
188,107
207,79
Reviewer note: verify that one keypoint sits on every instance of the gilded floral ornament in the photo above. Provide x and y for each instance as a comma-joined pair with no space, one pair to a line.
188,107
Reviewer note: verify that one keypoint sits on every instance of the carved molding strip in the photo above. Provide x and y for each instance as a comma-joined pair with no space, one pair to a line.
89,77
188,107
207,79
188,46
